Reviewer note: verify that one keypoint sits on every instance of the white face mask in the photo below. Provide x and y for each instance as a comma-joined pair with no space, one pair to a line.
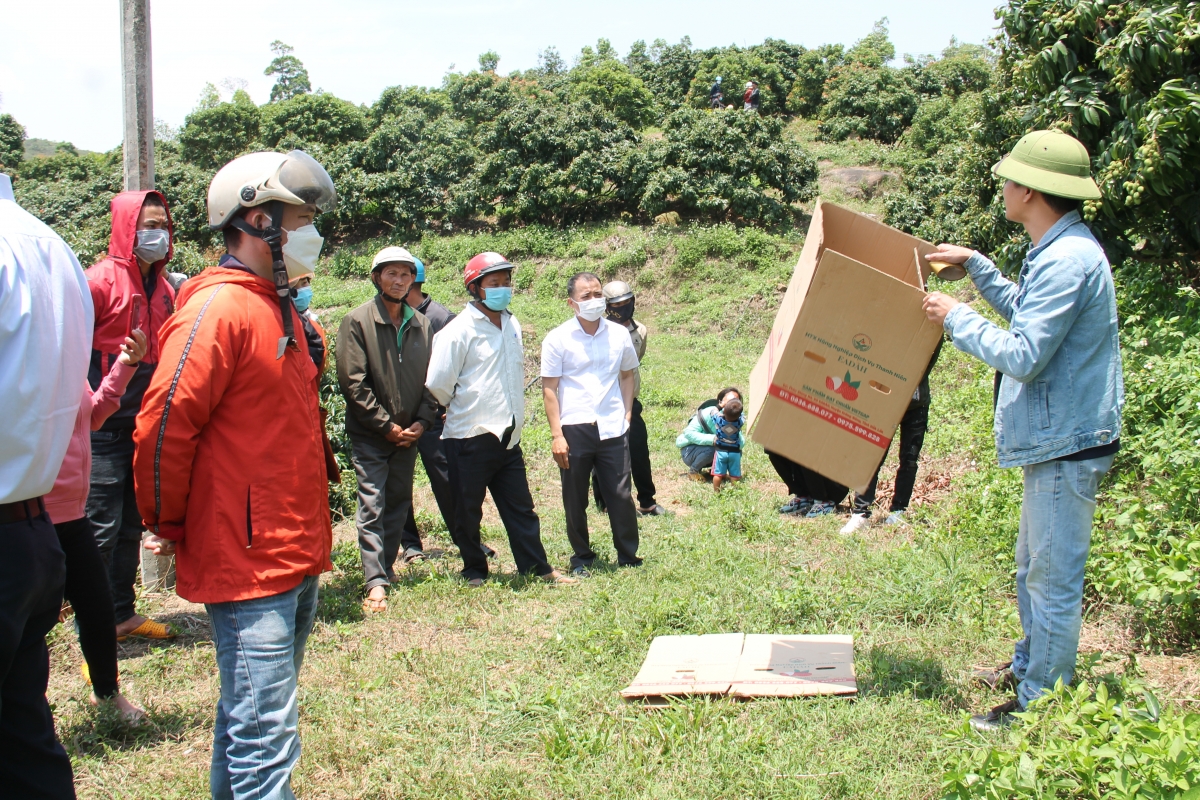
591,310
301,251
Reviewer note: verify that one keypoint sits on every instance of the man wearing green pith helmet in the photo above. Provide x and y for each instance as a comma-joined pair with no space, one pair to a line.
1058,396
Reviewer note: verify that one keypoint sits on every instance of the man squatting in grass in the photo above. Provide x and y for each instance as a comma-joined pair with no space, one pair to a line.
131,280
1058,402
229,461
620,303
433,452
477,370
383,349
588,372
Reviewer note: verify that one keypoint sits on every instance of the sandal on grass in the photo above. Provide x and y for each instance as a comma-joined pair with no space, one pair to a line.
374,605
150,630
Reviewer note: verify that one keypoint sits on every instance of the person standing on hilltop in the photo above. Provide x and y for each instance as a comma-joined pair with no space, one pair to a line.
1058,400
716,95
588,375
620,302
751,98
430,447
383,351
230,465
130,290
477,371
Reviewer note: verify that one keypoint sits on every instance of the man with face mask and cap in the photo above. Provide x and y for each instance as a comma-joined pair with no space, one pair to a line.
229,466
383,351
130,291
477,371
589,369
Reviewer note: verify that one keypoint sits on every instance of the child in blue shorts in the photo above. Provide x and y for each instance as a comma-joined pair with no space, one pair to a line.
727,460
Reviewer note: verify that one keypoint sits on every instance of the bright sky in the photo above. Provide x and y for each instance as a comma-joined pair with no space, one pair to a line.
60,61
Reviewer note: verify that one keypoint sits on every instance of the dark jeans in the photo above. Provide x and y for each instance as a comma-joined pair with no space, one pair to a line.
32,762
913,426
610,459
113,513
385,483
481,464
698,456
803,482
639,462
88,593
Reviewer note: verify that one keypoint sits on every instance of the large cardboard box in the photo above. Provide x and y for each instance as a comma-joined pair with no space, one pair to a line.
753,665
848,347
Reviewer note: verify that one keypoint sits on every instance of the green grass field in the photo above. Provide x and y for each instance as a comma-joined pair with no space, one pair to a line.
512,690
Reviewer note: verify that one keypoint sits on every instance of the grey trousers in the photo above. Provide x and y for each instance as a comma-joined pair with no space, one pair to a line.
610,460
385,491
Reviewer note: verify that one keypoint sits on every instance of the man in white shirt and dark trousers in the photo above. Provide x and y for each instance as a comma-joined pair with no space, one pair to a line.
46,319
588,374
477,370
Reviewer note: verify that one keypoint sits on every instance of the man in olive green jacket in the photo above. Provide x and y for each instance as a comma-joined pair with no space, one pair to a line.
382,356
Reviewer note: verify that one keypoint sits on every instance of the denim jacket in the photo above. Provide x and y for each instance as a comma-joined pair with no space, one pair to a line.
1062,388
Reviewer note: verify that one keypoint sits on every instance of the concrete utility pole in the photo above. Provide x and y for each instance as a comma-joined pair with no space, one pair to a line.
139,97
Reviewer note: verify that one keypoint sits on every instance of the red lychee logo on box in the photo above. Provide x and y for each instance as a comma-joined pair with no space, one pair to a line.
846,387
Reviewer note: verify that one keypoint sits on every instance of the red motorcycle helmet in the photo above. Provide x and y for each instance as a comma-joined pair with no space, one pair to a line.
484,263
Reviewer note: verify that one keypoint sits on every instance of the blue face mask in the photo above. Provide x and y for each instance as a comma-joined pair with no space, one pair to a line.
302,299
497,298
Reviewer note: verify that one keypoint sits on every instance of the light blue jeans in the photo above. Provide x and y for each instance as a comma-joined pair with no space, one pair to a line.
1052,551
260,646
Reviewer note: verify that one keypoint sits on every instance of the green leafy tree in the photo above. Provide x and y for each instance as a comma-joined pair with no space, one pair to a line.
482,96
397,100
736,167
489,61
12,142
312,119
209,98
666,69
867,102
812,71
213,135
875,49
601,78
291,78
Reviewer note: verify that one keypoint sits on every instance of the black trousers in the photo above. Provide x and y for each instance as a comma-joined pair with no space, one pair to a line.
639,462
803,482
89,595
913,426
481,464
610,460
116,521
32,573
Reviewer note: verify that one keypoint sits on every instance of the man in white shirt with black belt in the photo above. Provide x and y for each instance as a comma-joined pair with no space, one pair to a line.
588,375
477,370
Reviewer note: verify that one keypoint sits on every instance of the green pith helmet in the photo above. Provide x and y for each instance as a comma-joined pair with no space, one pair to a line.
1052,162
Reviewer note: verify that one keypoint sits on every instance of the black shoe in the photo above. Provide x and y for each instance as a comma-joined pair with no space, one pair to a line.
487,551
998,718
581,572
637,563
996,678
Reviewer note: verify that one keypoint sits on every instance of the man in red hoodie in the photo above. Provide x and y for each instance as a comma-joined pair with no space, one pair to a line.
230,465
129,290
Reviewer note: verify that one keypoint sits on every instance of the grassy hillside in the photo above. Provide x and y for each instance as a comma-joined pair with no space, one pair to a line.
512,690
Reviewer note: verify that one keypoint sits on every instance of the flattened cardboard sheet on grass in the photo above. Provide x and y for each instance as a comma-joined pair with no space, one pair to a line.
739,665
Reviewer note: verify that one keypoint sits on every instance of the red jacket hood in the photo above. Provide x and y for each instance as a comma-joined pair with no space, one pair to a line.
125,209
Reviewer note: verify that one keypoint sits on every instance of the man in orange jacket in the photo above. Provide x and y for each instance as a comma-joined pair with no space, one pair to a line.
129,290
229,465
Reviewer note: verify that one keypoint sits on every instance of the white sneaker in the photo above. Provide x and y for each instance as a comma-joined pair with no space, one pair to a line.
855,524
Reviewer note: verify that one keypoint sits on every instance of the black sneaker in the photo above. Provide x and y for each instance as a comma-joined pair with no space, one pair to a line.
998,718
996,678
581,572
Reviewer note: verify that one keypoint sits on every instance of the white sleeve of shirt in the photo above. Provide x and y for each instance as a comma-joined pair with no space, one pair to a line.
552,355
46,321
446,361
